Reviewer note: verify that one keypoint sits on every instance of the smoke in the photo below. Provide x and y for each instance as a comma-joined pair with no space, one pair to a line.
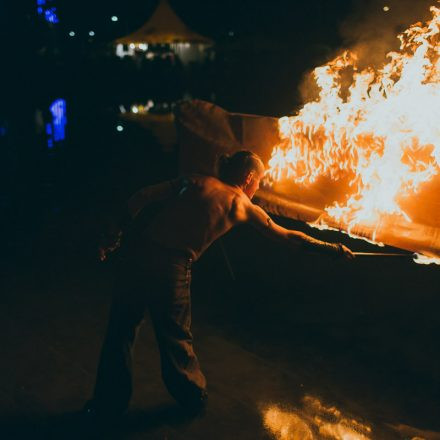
371,32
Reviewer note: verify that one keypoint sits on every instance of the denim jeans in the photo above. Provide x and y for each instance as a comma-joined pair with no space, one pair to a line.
155,280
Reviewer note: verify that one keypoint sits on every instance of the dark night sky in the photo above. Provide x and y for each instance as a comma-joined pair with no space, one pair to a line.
333,22
316,19
214,18
279,18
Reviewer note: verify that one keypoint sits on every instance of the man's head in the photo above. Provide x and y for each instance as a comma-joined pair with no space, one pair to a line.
243,168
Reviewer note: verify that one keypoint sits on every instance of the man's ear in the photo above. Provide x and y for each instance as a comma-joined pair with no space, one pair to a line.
249,177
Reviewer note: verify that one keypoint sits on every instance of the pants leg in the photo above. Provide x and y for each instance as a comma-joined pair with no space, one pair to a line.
171,317
113,386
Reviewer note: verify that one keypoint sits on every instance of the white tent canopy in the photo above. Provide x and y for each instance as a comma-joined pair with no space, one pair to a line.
164,27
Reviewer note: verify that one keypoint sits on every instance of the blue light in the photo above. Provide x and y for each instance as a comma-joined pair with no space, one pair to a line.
50,12
49,135
55,129
58,110
51,16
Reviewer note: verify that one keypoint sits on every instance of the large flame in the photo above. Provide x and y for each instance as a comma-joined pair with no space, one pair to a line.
379,136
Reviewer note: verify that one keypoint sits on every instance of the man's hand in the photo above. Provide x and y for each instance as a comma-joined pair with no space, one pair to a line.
109,244
346,252
103,253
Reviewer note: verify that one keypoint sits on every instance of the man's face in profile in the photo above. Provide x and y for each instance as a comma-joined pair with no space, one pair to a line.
254,184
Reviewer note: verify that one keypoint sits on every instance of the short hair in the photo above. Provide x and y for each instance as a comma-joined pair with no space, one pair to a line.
234,168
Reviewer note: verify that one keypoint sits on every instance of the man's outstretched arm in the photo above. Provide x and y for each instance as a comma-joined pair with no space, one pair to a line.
256,216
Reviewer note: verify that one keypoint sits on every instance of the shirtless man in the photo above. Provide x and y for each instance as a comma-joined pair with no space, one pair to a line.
197,210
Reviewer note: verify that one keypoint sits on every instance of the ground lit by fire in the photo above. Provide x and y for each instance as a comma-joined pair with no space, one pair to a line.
373,132
314,420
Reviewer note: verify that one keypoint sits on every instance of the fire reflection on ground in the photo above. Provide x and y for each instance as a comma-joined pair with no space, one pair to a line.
313,421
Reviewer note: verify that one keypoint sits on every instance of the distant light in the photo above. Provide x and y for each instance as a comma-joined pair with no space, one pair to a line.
55,129
122,109
132,45
48,12
119,128
231,33
71,34
59,120
115,18
49,133
134,109
50,15
143,46
92,33
386,8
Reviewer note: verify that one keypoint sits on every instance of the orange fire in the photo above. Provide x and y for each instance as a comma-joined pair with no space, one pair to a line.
378,137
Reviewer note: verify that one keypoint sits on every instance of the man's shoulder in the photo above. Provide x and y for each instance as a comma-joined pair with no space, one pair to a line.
241,207
199,179
212,182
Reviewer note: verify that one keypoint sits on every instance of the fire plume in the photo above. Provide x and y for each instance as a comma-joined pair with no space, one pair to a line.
374,132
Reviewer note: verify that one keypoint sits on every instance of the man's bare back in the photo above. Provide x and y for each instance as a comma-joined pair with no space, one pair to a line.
204,209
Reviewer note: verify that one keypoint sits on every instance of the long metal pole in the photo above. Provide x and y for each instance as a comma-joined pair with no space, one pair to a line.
227,261
383,254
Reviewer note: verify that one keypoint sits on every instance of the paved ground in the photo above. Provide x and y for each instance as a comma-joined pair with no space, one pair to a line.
273,337
49,346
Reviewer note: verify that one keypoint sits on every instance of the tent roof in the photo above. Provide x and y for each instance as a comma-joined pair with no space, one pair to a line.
164,27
